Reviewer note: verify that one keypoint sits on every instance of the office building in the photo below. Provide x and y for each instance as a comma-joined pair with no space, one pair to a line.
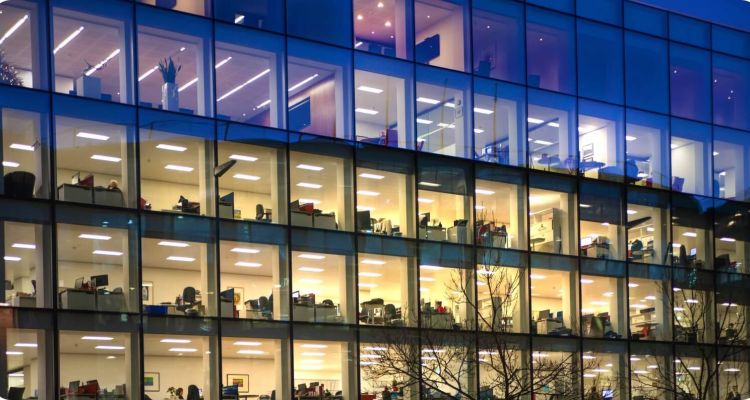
492,199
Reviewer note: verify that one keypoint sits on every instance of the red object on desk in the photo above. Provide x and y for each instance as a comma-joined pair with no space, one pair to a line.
367,397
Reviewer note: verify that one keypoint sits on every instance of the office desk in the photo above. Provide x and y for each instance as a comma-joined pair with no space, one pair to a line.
90,195
78,299
438,321
433,233
545,326
317,313
110,301
23,301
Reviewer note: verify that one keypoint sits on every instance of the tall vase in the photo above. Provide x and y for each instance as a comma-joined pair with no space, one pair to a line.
170,99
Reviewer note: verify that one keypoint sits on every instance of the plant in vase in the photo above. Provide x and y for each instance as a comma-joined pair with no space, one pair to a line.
169,96
8,73
87,85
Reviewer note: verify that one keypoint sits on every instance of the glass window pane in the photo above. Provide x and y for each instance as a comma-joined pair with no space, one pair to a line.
609,11
445,291
649,291
730,41
196,356
502,299
601,142
326,21
566,6
694,318
732,237
387,290
556,368
605,370
499,120
440,33
731,78
550,51
646,141
443,123
378,377
648,227
28,360
444,367
689,30
444,199
105,72
323,287
259,357
732,305
602,230
95,153
554,288
24,53
317,85
499,40
690,88
731,164
651,374
267,15
198,7
174,63
249,75
552,214
646,19
600,62
383,101
603,306
691,158
551,123
500,208
691,231
383,27
312,356
27,264
646,72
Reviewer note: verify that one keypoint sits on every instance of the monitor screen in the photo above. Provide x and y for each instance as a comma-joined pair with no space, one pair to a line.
99,280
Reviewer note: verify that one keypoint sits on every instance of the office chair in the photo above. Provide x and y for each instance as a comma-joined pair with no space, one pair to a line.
20,184
390,312
328,302
193,393
259,212
15,393
188,301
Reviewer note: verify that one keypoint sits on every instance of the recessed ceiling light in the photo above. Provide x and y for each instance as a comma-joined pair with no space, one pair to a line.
241,157
168,243
366,111
109,347
67,39
247,343
105,158
429,184
424,121
690,234
632,212
309,167
244,250
311,269
10,164
313,346
94,136
311,256
483,111
242,85
360,17
484,191
250,352
25,344
306,80
13,353
171,147
630,138
372,262
387,24
380,4
370,89
180,168
24,147
430,267
11,258
246,177
309,185
107,253
181,258
371,176
183,341
537,276
542,142
183,350
427,100
368,193
24,246
313,354
728,239
425,201
248,264
370,274
587,281
93,236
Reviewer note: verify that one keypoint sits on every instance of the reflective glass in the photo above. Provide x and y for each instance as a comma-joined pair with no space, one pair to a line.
550,51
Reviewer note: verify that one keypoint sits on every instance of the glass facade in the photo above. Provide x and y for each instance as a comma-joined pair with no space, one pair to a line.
397,199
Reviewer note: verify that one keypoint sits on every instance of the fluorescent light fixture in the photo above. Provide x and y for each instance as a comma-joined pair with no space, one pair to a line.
263,104
168,243
309,185
248,264
241,157
537,276
246,177
107,253
311,256
309,167
732,369
715,153
673,146
10,164
311,281
650,297
299,85
171,147
429,184
483,111
426,279
147,73
180,341
251,352
430,267
367,285
311,269
369,89
13,353
427,100
694,368
446,125
691,301
370,274
586,281
633,285
93,236
631,212
356,45
94,136
181,258
582,205
309,201
553,124
728,239
12,258
238,19
101,157
630,138
25,344
245,343
425,201
101,63
366,111
477,130
249,81
222,62
449,104
245,250
676,289
371,176
542,142
424,121
586,128
109,347
180,168
368,193
372,262
484,191
30,246
608,294
534,120
690,234
183,350
24,147
66,40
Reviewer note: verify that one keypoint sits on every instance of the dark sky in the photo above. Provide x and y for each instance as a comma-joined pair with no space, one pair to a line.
735,13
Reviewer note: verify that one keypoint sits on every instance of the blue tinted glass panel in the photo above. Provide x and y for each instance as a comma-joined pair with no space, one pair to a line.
550,48
551,123
268,15
730,41
731,87
691,157
646,72
383,27
689,30
498,40
327,20
499,119
600,62
440,33
562,5
645,19
690,89
732,164
609,11
646,143
601,145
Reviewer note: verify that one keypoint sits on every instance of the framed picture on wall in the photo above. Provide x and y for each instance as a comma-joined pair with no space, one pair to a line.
239,296
151,381
240,380
147,292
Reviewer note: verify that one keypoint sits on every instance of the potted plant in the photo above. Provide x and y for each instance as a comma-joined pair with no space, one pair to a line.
169,95
87,85
8,73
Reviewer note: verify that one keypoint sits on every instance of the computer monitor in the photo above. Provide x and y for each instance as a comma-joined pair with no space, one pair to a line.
314,384
364,223
544,314
608,393
227,199
88,181
302,387
424,219
295,294
693,252
99,280
227,294
79,283
74,385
